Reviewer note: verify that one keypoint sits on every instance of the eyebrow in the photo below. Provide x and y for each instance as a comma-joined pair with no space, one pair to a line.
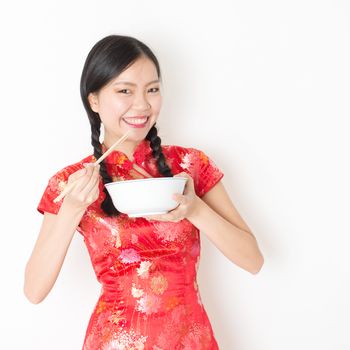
128,83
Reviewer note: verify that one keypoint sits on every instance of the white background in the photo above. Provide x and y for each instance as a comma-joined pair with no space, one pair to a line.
262,87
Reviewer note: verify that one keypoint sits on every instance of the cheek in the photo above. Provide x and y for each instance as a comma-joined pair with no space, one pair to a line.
156,103
120,106
116,107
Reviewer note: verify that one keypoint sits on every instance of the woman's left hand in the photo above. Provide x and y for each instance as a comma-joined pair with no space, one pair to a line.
188,203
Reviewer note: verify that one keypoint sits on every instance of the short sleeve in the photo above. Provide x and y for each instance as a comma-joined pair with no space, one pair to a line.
205,173
54,187
209,173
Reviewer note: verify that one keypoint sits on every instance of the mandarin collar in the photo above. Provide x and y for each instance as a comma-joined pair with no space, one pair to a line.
142,152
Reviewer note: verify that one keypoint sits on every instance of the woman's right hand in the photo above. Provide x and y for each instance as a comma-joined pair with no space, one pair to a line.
86,186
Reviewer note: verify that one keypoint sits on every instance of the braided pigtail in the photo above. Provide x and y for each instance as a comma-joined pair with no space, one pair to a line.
107,205
157,153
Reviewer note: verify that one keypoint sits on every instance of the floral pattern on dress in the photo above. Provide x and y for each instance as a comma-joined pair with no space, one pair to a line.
149,296
143,270
149,303
126,340
129,256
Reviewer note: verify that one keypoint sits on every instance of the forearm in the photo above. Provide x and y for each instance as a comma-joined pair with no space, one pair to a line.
236,244
49,253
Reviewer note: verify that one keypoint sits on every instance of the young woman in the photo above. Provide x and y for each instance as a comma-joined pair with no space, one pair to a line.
147,265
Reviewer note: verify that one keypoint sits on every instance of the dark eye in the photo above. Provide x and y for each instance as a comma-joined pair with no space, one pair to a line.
123,91
156,89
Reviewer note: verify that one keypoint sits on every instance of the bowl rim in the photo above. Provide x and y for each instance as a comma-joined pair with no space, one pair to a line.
166,178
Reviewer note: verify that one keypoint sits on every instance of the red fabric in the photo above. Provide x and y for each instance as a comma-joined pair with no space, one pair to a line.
149,297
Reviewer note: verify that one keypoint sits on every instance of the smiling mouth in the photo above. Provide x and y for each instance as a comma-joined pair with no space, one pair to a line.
136,121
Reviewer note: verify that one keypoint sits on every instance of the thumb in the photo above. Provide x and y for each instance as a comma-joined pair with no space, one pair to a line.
76,175
180,198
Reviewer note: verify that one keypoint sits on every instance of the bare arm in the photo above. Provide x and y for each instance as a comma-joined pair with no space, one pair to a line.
218,218
55,236
49,252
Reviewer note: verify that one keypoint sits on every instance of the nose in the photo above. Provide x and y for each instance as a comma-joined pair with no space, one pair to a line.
141,102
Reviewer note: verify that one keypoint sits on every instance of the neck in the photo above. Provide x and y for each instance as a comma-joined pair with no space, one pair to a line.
127,146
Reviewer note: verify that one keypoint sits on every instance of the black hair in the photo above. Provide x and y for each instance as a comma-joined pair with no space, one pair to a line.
106,60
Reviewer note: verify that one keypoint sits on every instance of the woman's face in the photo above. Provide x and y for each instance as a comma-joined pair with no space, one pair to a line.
133,97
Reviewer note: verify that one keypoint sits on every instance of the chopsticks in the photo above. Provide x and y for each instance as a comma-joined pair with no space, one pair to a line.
68,188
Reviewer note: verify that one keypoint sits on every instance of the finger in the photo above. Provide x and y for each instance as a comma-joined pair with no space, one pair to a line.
153,217
149,218
76,175
179,198
85,179
187,176
184,174
188,189
94,194
167,217
93,182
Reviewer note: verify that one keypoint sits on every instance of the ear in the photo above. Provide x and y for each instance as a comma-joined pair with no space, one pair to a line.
93,100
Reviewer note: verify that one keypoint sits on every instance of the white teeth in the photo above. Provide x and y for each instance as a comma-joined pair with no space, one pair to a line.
136,121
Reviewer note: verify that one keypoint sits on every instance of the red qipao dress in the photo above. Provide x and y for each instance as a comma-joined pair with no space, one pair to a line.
149,296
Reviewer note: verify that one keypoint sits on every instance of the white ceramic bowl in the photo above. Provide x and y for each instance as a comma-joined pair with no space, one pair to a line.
148,196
